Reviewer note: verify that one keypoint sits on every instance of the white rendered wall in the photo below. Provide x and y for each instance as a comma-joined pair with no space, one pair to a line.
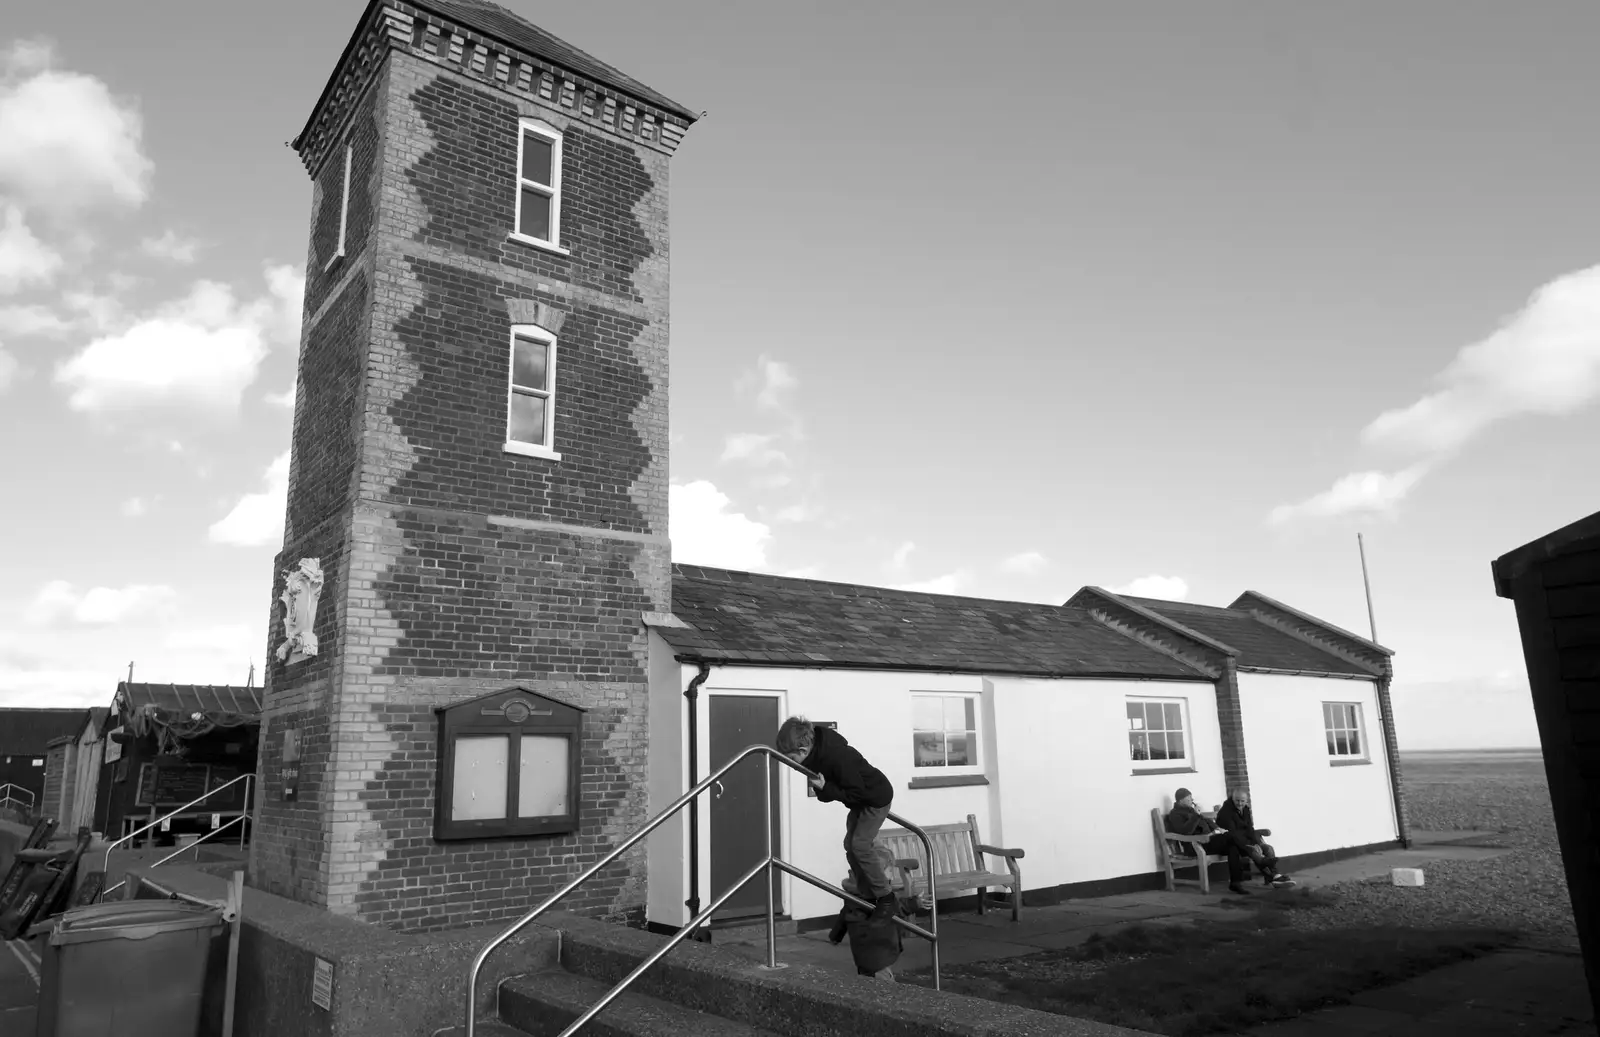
1068,794
1310,803
666,860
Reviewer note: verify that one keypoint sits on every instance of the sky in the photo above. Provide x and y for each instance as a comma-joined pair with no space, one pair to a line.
999,300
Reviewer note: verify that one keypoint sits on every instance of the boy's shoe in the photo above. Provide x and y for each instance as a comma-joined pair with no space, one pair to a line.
1238,887
1282,881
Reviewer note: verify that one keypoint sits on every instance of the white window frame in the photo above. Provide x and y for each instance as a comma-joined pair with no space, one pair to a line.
552,189
1186,763
976,744
344,208
1332,724
514,446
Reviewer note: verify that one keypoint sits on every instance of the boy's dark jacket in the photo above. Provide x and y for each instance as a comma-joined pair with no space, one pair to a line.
846,775
1235,818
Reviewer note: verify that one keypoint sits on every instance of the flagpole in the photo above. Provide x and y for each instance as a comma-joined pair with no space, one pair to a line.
1372,624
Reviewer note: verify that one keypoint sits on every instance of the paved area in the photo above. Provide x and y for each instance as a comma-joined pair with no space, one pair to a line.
1514,992
19,988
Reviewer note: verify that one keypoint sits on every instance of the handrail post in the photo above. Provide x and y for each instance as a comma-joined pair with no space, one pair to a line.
766,835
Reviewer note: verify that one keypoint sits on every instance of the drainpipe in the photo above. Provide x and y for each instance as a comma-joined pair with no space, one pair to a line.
692,693
1386,719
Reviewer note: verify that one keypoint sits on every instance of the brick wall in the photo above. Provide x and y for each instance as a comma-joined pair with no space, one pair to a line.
453,567
1230,724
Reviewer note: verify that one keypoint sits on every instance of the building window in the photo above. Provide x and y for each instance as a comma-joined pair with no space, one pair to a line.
1341,722
508,766
344,206
944,731
1157,732
538,206
530,398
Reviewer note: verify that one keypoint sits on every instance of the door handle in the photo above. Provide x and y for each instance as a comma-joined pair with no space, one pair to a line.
718,793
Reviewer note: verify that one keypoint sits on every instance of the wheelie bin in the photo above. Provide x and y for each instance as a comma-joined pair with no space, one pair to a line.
127,968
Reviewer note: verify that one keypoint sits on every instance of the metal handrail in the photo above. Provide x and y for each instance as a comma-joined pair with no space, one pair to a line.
764,865
246,778
6,796
183,849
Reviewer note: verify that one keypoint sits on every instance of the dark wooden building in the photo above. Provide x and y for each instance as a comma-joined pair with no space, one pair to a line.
167,744
1555,583
25,737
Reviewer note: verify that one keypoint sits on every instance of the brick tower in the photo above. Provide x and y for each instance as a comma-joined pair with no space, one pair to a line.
479,470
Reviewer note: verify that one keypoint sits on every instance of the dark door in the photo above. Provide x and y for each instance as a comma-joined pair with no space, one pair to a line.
737,722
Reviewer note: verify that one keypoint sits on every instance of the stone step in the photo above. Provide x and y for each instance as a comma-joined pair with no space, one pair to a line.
744,931
542,1004
798,1000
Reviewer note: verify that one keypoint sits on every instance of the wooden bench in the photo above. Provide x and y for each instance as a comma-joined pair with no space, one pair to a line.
1183,851
959,865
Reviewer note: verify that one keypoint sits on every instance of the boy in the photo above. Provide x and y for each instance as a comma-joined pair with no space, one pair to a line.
847,777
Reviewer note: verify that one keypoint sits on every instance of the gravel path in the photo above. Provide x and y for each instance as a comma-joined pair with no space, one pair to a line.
1524,890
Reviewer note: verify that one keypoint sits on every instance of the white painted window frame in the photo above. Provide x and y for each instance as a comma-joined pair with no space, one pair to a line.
344,207
1187,761
918,771
514,446
1330,727
553,189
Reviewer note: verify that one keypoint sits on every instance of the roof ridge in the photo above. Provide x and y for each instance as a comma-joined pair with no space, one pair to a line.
678,568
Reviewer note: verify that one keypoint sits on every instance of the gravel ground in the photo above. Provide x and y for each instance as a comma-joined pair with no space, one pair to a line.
1524,890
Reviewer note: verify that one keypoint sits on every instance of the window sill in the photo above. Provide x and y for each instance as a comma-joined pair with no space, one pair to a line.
1348,763
330,264
1162,770
538,243
947,781
530,450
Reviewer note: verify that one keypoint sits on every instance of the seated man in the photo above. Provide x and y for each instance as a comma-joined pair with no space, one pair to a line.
1184,819
1235,816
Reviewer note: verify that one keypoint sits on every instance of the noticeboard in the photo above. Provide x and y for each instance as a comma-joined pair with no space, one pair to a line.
174,785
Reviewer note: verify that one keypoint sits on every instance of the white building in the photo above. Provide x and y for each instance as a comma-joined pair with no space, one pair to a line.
1059,727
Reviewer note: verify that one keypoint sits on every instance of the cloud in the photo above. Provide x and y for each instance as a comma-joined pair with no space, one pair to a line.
284,399
1373,493
1166,588
69,144
770,380
753,447
705,532
1027,563
949,583
25,261
200,351
258,517
31,320
901,553
802,512
171,246
9,369
133,507
1545,359
805,572
59,602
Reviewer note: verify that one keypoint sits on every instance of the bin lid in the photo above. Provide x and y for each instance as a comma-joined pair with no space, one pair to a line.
131,920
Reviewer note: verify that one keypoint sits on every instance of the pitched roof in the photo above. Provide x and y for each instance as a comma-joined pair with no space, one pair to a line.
192,698
26,732
1259,645
753,618
494,20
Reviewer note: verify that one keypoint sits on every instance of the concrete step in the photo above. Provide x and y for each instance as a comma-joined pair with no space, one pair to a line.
797,1001
543,1004
745,931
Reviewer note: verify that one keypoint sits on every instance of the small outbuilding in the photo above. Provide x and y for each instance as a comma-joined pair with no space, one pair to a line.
1057,727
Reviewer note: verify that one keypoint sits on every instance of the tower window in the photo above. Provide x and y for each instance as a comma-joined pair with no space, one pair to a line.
531,397
538,205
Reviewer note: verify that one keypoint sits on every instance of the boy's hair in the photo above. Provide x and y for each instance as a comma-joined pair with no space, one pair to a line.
796,733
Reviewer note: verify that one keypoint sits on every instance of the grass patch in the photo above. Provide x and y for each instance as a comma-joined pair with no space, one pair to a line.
1218,977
